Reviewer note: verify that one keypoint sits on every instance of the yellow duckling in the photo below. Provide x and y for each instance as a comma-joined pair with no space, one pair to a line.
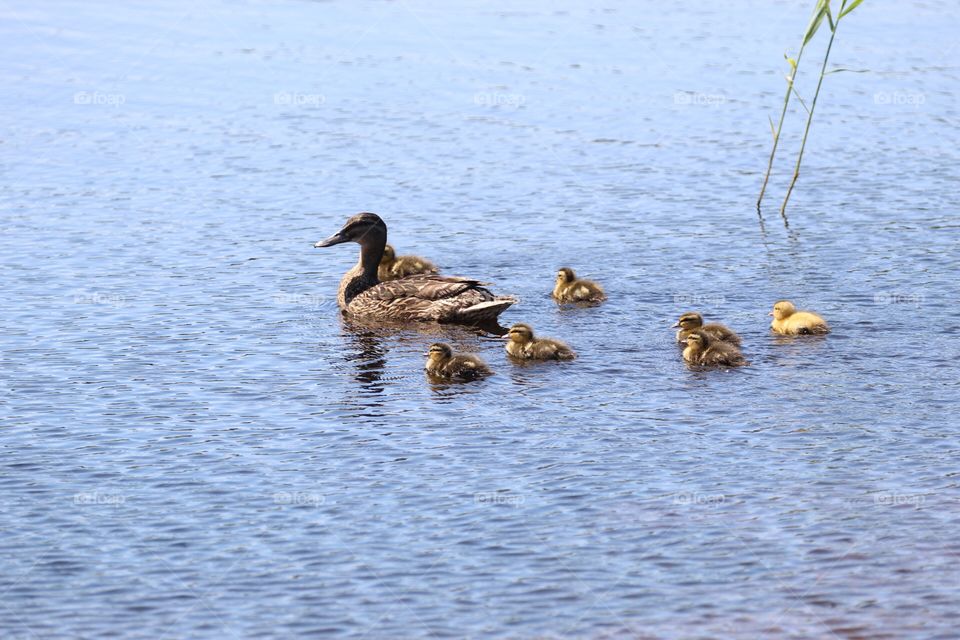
443,364
394,267
523,345
691,321
788,321
569,289
704,349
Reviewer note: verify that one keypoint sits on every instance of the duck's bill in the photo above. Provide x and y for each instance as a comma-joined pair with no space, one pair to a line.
336,238
675,325
770,314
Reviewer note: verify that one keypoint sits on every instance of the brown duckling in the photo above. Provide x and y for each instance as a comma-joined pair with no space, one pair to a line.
705,349
788,321
393,266
522,344
692,321
443,364
569,289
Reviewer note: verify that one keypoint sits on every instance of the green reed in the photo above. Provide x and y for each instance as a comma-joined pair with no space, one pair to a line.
821,11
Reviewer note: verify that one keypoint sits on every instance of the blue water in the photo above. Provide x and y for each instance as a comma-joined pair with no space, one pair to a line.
195,445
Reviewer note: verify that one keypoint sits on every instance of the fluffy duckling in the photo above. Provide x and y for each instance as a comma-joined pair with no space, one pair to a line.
569,289
443,364
788,321
705,349
691,321
394,267
522,344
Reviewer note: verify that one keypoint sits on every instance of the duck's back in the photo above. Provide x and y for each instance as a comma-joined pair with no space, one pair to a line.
466,367
722,332
802,322
549,349
579,291
722,353
808,322
429,297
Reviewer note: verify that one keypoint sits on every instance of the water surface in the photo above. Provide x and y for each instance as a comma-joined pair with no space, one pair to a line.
195,444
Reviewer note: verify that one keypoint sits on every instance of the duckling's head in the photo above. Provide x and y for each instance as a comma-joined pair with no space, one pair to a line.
389,255
520,333
440,351
361,228
782,309
698,340
689,321
566,275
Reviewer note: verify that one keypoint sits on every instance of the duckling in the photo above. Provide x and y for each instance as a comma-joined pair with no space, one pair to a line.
705,349
522,344
393,267
691,321
443,364
788,321
569,289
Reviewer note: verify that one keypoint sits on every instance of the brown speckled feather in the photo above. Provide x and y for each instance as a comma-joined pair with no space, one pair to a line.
422,297
412,298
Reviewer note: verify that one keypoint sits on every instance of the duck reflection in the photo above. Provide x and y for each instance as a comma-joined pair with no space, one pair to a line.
368,344
368,355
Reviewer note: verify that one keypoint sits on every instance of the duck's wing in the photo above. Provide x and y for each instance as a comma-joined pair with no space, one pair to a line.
424,287
431,297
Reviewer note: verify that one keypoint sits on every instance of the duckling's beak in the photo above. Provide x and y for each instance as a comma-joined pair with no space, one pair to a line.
336,238
675,325
770,314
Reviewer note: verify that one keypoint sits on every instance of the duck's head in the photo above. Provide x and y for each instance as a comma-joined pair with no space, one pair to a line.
782,309
566,275
389,255
439,351
698,340
520,332
688,321
361,228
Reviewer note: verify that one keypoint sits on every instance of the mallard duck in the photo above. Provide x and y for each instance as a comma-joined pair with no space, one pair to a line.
441,363
704,349
393,266
413,298
569,289
522,344
691,321
788,321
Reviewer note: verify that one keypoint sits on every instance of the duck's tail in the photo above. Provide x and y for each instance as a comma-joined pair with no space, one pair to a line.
484,312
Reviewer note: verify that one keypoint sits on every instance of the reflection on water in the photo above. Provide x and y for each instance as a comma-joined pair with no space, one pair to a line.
368,354
196,444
